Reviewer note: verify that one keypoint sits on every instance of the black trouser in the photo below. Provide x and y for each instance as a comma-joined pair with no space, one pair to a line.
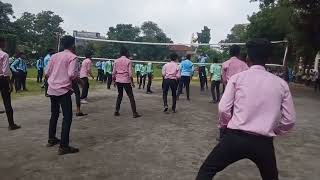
77,93
138,76
40,75
317,85
142,81
109,80
23,80
215,90
66,105
172,84
100,75
46,85
184,82
104,77
6,98
202,77
237,145
149,82
85,88
128,88
17,80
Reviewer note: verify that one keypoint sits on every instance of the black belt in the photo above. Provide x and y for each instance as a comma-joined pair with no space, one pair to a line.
247,134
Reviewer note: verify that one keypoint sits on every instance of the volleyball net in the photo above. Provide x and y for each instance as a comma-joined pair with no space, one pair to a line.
157,53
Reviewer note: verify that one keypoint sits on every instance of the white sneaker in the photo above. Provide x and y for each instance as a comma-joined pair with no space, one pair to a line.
83,101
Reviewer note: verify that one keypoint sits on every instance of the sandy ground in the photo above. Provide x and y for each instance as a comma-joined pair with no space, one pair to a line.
156,146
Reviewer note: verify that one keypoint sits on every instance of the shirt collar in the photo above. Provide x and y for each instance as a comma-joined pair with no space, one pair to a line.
259,67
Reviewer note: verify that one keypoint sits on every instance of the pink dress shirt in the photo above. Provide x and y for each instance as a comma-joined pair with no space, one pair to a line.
122,70
257,102
62,70
85,68
4,64
231,67
171,70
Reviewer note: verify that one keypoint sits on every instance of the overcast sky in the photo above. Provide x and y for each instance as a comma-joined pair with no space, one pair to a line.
178,18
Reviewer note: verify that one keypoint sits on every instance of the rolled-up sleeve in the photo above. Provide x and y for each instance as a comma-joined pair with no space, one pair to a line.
130,69
73,69
164,71
6,66
224,74
288,113
226,104
178,72
114,71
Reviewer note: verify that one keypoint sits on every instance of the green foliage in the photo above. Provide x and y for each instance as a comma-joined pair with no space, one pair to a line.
296,20
148,32
5,13
38,32
11,40
204,37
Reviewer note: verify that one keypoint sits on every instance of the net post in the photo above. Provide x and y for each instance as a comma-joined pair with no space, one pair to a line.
285,54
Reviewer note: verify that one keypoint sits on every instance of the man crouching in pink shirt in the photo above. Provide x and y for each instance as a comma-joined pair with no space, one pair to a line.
61,72
252,114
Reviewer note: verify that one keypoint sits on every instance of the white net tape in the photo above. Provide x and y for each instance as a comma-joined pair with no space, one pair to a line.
216,45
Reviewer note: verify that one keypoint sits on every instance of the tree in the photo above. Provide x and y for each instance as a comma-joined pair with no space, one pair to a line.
304,23
47,26
5,13
25,30
238,34
6,28
123,32
204,36
152,33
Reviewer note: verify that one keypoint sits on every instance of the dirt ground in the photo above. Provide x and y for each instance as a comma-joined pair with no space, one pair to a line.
156,146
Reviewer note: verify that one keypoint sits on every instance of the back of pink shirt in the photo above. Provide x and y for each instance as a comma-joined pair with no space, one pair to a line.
122,70
62,70
231,67
258,102
85,68
171,70
4,64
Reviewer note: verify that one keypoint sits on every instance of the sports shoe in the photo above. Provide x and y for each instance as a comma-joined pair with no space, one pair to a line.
116,114
83,101
53,142
14,127
136,115
67,150
81,114
165,109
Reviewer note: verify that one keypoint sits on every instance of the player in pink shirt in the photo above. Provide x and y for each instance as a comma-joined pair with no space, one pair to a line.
234,65
252,114
171,74
6,86
122,77
85,72
61,73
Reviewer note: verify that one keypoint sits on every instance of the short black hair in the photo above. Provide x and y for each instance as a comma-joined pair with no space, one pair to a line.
259,51
88,54
173,56
234,50
124,51
68,42
189,56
